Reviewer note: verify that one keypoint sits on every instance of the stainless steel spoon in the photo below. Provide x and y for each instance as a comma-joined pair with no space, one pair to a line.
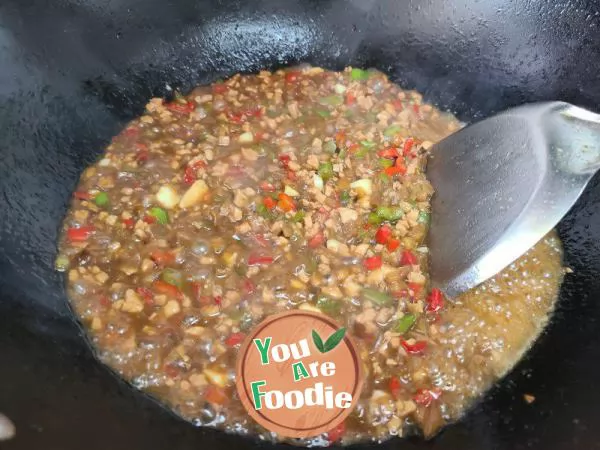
503,183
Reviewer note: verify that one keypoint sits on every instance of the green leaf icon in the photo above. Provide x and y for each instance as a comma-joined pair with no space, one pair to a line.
331,342
318,341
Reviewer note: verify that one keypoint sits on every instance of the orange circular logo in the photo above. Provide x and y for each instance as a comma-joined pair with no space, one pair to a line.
299,374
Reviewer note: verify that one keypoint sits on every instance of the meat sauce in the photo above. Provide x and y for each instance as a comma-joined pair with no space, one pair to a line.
305,189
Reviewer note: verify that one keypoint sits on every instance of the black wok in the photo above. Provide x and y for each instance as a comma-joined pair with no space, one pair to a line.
73,72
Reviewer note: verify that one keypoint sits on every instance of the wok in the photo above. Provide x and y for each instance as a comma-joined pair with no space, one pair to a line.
72,73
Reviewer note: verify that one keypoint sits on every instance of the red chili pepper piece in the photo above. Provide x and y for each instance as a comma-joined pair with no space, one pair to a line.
398,169
340,139
425,397
219,88
316,241
383,234
414,349
189,176
234,339
216,395
181,108
269,202
292,77
335,434
408,145
79,195
388,153
393,245
236,117
80,234
146,294
395,386
163,287
397,103
218,300
408,258
435,301
149,220
350,99
372,263
259,260
286,203
416,108
249,287
105,301
284,159
129,223
162,257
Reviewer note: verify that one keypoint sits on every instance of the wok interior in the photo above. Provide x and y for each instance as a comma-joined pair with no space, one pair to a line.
74,73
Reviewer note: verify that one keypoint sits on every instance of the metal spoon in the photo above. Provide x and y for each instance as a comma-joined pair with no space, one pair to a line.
502,184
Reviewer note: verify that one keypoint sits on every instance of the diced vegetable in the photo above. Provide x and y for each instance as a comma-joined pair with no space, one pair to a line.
363,187
414,349
101,199
383,234
160,215
194,195
372,263
269,202
216,395
435,301
332,100
246,138
79,195
345,198
329,146
326,170
386,163
374,219
404,324
377,297
288,190
61,263
423,217
393,244
316,241
80,234
389,213
395,386
359,74
298,217
292,76
168,289
425,397
181,108
234,339
167,197
407,147
339,88
329,306
173,277
368,144
162,257
389,152
336,433
260,260
398,169
408,258
286,203
323,113
392,130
